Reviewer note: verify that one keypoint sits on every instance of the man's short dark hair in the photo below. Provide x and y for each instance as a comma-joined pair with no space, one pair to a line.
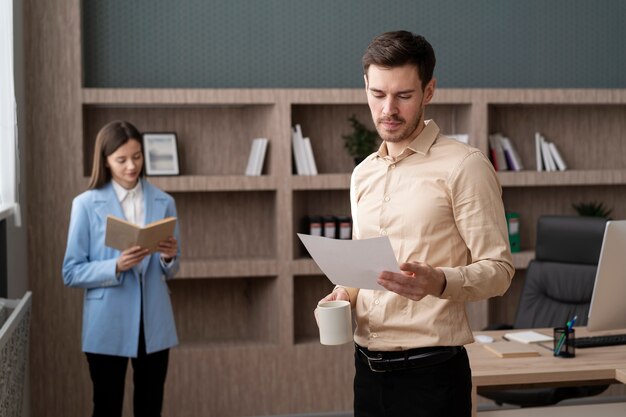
395,49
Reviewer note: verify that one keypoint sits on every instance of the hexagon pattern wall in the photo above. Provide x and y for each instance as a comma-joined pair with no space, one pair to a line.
319,43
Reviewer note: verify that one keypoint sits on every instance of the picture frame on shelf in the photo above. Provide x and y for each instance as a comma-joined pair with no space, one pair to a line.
161,153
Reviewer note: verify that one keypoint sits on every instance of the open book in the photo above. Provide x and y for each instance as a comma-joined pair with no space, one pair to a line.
122,235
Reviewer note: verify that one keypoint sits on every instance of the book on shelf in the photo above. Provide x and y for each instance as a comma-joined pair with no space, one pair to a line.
539,158
257,157
556,155
310,159
527,337
299,151
548,156
121,234
504,155
511,155
511,349
548,162
496,151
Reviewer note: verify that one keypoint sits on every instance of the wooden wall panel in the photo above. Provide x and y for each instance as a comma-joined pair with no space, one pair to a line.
59,380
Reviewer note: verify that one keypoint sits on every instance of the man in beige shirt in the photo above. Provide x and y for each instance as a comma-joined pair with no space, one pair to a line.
439,202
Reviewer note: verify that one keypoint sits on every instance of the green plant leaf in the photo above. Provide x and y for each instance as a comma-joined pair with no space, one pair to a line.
361,141
592,209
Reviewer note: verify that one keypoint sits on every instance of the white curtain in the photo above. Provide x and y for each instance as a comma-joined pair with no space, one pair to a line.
9,166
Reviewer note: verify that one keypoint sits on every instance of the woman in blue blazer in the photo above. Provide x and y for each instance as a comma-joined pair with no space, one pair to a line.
127,311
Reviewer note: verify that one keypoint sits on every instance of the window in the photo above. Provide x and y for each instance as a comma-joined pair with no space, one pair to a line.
9,167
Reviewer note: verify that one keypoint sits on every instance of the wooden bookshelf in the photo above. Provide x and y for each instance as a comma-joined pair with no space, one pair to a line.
246,281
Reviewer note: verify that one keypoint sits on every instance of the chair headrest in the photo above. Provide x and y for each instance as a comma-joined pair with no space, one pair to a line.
570,239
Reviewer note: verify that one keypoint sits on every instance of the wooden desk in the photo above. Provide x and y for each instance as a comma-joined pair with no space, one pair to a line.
600,365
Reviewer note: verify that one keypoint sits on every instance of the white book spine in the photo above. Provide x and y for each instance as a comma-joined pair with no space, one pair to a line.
250,168
308,150
305,160
298,151
558,159
539,159
547,156
258,168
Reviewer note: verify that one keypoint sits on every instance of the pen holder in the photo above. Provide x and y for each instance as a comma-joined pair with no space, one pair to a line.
564,342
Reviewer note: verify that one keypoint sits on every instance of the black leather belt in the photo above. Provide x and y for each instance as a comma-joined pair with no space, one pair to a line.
406,359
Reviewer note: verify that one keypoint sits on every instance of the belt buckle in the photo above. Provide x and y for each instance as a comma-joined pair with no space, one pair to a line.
375,360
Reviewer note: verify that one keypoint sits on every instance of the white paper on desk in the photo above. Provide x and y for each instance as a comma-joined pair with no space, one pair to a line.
353,263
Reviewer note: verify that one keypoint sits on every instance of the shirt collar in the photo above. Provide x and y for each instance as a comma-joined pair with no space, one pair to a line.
122,192
421,144
426,138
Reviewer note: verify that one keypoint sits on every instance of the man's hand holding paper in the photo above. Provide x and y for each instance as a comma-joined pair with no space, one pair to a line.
417,280
352,263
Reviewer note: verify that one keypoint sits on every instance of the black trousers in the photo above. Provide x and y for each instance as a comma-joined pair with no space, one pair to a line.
108,375
441,390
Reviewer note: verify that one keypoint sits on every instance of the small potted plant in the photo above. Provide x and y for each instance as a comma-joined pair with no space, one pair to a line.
593,209
361,142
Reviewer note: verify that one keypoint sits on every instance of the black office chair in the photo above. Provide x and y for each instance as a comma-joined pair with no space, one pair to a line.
558,286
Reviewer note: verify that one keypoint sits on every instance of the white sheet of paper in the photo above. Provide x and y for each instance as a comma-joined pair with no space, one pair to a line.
353,263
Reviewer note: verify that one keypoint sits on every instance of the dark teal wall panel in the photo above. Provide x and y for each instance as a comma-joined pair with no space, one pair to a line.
319,43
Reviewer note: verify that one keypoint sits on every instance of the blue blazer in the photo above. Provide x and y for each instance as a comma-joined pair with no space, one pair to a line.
111,305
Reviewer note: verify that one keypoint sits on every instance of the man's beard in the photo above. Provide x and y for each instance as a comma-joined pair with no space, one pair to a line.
402,135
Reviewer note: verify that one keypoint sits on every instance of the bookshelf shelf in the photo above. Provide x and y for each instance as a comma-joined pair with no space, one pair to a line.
225,311
321,182
226,268
563,178
204,183
223,345
305,266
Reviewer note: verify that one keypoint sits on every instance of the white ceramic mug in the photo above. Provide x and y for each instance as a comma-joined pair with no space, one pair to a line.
334,320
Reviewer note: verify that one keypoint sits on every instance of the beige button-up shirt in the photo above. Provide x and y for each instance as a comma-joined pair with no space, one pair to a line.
439,202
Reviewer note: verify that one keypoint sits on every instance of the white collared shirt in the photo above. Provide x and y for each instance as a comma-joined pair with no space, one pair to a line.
134,208
132,203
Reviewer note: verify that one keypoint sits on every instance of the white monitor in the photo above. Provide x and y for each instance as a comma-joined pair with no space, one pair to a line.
608,303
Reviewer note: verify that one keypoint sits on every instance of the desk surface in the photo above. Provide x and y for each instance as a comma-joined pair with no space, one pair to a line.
599,364
590,364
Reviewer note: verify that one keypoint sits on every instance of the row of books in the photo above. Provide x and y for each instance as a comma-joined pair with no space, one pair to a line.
302,152
503,154
548,156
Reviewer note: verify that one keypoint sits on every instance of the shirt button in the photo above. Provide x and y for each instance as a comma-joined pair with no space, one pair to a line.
377,301
383,232
387,198
374,335
392,166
